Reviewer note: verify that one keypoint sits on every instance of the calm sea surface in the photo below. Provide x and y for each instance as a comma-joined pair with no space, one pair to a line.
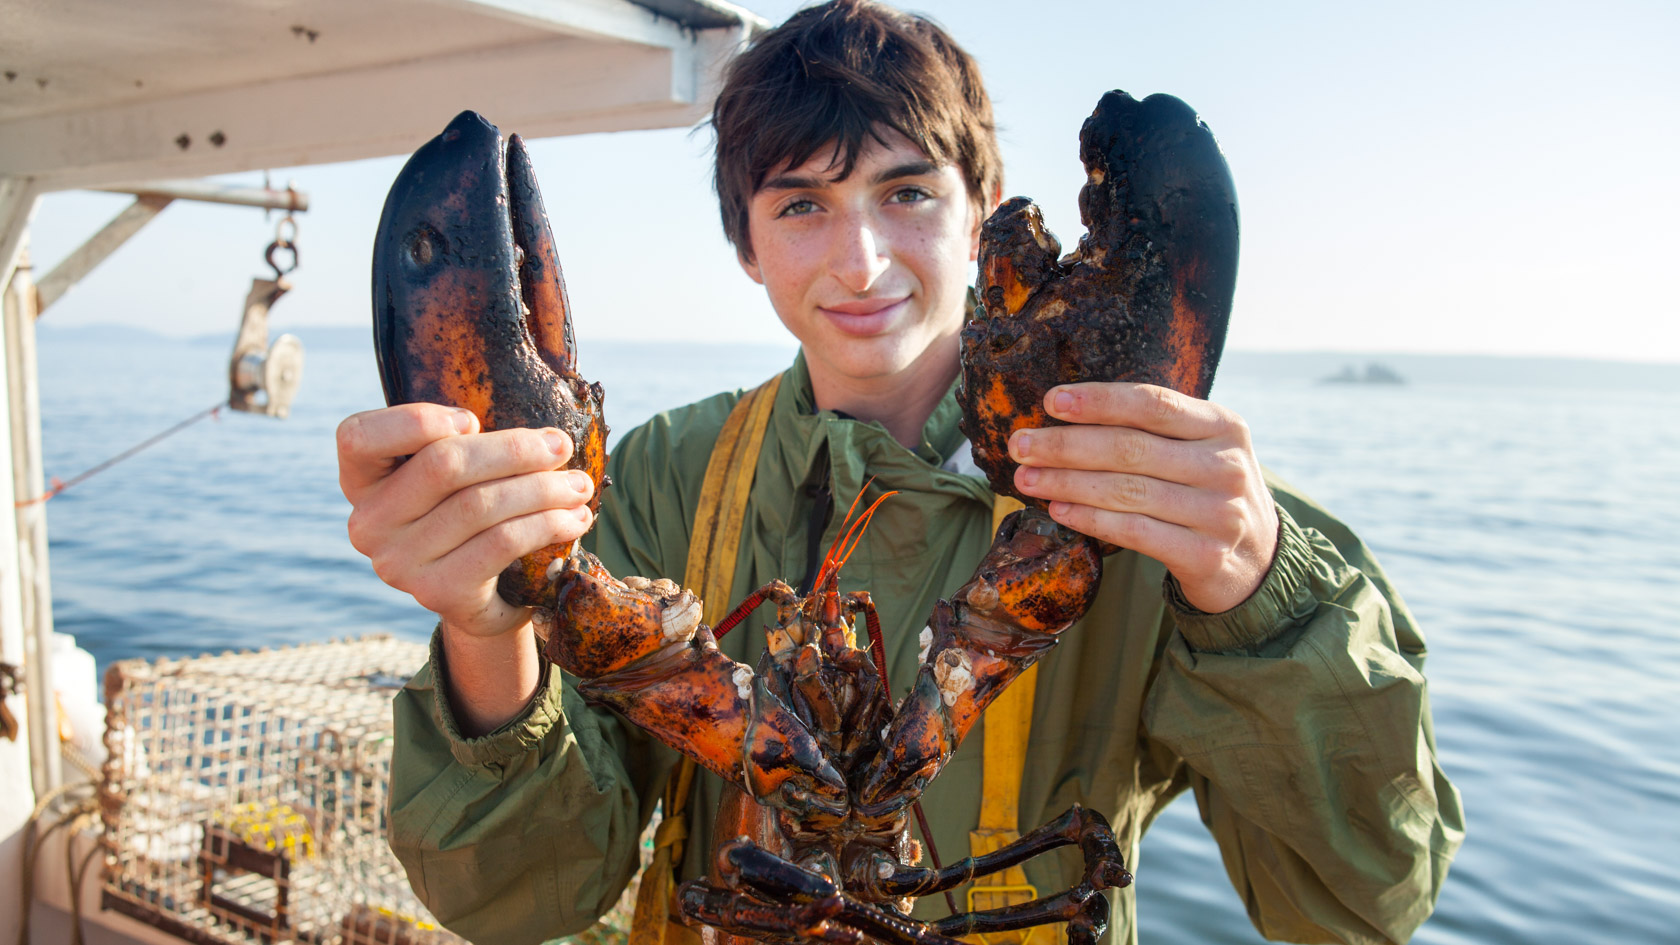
1531,527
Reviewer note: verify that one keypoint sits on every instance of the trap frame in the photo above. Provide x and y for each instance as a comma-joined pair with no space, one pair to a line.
243,796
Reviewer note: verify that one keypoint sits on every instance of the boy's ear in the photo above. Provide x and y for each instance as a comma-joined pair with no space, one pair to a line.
749,265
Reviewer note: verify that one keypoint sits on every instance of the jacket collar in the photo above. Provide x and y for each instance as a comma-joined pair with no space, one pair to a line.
860,449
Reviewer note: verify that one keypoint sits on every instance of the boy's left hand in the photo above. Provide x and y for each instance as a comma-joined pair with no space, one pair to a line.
1161,473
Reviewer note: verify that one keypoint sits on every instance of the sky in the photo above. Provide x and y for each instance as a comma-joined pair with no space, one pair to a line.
1459,177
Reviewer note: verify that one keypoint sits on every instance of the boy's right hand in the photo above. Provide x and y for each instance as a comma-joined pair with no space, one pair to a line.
440,508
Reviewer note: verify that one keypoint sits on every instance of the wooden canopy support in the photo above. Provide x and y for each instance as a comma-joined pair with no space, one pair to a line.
93,252
290,200
150,199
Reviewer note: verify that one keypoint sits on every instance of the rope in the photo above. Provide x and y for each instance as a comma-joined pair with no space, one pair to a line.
59,485
34,839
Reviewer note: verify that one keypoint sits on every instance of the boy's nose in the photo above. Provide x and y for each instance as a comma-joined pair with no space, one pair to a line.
860,257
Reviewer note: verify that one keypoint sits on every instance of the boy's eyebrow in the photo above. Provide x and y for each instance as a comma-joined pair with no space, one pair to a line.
806,182
793,182
907,169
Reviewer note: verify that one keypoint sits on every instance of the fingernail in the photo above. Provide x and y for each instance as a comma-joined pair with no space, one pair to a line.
464,420
1063,401
556,440
1022,444
580,481
1028,476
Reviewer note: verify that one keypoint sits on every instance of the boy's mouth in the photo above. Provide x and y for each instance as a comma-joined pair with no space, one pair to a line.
865,316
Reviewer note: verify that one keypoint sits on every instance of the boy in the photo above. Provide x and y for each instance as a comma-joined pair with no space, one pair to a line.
1246,646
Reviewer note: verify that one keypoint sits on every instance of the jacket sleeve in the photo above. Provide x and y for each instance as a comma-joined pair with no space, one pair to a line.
1303,718
524,834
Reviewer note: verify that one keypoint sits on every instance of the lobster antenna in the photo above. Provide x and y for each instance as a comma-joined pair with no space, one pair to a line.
848,541
845,525
861,526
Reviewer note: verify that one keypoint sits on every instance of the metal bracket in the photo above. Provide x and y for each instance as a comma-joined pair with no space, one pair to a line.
275,372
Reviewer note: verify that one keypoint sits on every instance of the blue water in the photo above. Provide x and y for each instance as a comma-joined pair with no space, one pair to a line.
1530,526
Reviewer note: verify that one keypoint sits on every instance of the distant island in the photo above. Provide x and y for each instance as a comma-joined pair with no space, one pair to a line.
1374,374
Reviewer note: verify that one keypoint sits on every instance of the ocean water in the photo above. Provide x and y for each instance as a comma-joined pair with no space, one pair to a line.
1527,511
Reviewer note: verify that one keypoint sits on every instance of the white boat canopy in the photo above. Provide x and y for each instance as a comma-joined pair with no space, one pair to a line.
97,94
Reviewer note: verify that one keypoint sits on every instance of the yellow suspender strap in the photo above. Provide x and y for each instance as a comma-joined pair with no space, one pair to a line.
1008,723
713,549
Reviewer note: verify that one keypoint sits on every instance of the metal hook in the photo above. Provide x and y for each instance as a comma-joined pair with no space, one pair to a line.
275,247
283,240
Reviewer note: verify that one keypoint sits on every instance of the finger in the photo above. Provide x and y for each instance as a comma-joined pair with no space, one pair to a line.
482,558
1165,542
445,467
1118,492
373,442
1112,449
1159,410
480,507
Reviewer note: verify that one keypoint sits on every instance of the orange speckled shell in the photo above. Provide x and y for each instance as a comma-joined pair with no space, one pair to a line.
1145,298
470,309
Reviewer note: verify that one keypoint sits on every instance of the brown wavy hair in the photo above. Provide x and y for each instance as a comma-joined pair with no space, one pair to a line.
840,72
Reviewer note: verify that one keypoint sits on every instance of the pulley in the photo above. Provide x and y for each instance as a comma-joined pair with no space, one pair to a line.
263,377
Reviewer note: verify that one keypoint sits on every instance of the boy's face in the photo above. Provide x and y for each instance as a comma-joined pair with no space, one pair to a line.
869,272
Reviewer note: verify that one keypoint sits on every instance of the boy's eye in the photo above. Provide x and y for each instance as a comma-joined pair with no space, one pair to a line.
910,195
797,208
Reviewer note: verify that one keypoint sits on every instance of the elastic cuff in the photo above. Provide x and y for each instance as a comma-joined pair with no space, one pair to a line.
1282,599
517,736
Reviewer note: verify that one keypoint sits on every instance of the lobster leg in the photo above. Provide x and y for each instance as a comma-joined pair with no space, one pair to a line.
639,647
776,591
1037,579
1083,909
808,905
737,915
1104,865
861,602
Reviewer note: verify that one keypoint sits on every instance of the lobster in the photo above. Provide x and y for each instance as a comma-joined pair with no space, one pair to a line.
823,767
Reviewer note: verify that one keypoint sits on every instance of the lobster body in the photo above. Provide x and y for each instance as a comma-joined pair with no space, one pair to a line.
824,767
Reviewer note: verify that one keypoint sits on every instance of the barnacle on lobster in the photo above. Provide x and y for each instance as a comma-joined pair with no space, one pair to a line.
1145,297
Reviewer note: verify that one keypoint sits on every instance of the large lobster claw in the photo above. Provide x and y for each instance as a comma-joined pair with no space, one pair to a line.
1144,298
470,310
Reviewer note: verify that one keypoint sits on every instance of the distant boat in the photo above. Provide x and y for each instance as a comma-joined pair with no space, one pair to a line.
1374,374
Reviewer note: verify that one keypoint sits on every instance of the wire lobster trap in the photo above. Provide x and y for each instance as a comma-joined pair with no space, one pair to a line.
244,796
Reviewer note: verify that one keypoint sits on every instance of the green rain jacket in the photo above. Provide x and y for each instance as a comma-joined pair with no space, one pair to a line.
1300,718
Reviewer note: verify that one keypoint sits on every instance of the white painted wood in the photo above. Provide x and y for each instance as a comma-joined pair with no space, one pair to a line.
555,87
209,191
28,482
602,19
70,56
93,252
17,792
17,208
